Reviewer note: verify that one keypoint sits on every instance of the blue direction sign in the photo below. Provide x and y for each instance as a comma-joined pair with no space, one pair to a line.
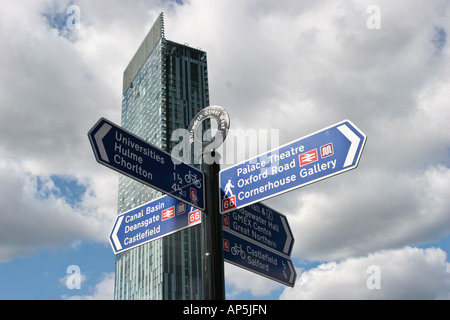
122,151
151,221
255,258
323,154
262,224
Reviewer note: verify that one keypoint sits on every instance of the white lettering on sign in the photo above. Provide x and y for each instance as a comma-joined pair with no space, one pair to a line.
273,184
141,224
317,168
274,158
131,155
141,236
132,147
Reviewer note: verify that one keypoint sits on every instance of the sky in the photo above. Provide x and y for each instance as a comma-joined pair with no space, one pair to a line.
381,231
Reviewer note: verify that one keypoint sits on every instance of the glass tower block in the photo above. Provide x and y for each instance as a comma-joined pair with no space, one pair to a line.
165,86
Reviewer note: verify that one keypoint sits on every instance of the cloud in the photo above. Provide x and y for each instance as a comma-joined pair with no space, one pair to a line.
408,273
33,217
298,62
367,212
54,93
55,88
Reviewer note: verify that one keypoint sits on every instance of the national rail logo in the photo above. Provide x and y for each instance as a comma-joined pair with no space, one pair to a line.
308,157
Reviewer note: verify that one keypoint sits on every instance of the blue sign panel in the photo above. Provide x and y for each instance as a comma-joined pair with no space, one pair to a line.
258,259
323,154
122,151
151,221
261,224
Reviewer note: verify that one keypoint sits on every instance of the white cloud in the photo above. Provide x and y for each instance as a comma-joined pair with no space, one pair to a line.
408,273
33,217
361,213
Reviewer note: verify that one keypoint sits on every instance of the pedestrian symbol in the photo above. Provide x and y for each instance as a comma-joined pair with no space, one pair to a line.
228,187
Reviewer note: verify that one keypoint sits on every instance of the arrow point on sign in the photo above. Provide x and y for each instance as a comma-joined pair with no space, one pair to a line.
289,237
98,136
293,273
354,139
114,237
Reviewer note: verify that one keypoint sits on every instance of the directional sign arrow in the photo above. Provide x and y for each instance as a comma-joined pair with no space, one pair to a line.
130,155
255,258
151,221
318,156
261,224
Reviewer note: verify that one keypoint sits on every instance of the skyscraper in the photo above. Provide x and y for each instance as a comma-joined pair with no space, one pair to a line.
165,85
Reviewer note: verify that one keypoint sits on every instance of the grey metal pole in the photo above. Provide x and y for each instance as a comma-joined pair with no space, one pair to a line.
212,243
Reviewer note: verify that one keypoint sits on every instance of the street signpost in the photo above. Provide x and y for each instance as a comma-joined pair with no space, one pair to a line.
262,224
122,151
258,259
253,236
318,156
151,221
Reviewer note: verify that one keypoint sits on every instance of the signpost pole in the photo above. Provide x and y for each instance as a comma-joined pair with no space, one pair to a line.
212,248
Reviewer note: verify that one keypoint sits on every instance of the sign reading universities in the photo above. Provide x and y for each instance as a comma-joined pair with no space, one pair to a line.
320,155
151,221
122,151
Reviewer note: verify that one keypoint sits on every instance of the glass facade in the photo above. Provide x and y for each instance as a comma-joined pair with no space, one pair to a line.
165,85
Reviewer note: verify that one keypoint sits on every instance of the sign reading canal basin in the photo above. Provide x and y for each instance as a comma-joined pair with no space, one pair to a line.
122,151
151,221
320,155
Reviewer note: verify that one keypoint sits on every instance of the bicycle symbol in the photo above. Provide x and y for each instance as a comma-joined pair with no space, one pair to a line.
192,178
237,249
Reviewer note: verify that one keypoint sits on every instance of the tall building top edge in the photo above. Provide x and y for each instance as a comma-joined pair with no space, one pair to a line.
153,37
186,46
